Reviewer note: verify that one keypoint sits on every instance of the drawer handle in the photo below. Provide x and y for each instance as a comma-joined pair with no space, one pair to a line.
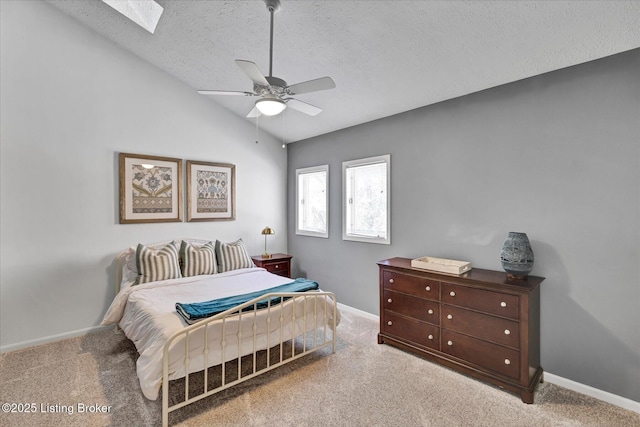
430,337
507,362
428,288
390,280
453,294
449,342
430,311
389,323
277,266
507,332
503,304
390,301
449,316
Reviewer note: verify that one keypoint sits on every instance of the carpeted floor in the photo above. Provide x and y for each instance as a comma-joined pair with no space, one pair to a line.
362,384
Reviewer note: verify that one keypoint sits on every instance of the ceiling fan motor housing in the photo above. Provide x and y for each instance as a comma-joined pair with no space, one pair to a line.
276,86
272,5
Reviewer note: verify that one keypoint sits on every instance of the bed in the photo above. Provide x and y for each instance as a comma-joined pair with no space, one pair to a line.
263,332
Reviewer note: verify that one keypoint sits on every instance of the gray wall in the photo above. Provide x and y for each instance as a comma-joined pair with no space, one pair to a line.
556,156
71,100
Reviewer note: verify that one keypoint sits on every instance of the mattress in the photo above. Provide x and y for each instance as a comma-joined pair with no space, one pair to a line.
147,315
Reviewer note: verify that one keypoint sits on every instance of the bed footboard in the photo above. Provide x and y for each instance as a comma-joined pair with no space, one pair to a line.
298,323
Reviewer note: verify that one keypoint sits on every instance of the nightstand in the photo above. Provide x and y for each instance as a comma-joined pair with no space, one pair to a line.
278,264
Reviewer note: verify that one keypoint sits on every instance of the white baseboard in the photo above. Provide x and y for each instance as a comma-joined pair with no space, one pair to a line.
605,396
51,338
358,312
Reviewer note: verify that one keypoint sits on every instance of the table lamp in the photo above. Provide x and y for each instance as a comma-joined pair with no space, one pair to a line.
266,231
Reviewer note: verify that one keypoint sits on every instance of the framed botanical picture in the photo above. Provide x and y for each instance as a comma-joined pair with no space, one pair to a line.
211,191
150,189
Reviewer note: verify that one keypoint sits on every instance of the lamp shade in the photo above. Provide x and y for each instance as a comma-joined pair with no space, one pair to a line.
270,105
268,230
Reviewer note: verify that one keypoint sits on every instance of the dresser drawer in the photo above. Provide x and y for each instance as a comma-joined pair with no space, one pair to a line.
495,329
412,330
418,308
482,300
493,357
418,286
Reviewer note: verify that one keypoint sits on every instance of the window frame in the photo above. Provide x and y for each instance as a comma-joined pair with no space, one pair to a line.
386,159
309,170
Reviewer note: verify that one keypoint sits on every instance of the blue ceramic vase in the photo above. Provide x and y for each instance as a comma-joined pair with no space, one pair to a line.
517,255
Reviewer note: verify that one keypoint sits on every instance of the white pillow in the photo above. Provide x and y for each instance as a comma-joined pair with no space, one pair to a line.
129,268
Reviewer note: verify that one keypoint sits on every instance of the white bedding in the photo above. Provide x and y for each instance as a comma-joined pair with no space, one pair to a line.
147,315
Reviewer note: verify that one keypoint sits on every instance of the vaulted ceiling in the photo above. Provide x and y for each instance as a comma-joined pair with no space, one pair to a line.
386,57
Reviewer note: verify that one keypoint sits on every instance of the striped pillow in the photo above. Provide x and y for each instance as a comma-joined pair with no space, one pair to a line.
232,256
198,260
157,264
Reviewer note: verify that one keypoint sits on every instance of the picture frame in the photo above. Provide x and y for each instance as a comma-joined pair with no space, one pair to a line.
150,189
211,191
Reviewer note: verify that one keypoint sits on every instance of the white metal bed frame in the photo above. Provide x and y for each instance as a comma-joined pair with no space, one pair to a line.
323,319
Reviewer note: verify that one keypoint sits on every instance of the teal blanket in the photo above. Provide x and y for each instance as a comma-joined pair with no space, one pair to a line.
201,310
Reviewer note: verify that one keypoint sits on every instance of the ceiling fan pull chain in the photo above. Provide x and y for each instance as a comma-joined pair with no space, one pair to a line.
283,129
257,128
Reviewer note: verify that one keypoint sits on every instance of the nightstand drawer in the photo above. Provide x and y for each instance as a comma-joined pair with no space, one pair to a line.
279,264
276,267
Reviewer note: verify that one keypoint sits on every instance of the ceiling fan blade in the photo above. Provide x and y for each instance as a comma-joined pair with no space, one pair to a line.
252,70
303,107
322,83
225,92
254,113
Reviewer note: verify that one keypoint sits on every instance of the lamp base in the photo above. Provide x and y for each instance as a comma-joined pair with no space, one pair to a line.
266,255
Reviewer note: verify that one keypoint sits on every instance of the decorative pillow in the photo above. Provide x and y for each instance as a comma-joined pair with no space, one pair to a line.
197,260
232,256
129,269
157,264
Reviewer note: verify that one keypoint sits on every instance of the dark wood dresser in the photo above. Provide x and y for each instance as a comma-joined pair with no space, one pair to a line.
479,323
278,263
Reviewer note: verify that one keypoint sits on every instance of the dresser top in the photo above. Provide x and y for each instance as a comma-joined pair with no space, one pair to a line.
474,275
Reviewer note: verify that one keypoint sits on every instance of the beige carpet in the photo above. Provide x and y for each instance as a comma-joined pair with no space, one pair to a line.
362,384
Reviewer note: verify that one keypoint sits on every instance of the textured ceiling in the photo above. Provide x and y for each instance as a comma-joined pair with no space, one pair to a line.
386,57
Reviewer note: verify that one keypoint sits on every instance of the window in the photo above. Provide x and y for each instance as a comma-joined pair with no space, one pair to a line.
312,204
366,200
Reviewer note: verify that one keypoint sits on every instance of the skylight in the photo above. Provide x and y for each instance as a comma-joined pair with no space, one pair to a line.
145,13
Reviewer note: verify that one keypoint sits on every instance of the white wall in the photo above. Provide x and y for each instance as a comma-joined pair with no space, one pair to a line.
71,101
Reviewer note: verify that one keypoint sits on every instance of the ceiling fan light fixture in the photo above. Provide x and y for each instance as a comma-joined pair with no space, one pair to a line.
270,106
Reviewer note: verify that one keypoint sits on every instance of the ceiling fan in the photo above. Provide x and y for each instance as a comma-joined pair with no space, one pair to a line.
275,94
